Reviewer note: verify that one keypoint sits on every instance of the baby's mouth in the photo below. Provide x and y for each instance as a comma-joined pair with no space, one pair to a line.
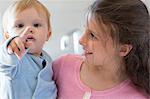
30,38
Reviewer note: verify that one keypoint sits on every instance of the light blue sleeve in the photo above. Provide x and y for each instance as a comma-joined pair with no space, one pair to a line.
8,62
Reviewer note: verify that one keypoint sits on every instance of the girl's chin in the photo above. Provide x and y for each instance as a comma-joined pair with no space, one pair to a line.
87,61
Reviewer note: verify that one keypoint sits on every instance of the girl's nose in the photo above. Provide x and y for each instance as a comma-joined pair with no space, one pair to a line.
83,40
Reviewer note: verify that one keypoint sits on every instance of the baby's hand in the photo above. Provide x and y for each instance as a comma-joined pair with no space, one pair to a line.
17,46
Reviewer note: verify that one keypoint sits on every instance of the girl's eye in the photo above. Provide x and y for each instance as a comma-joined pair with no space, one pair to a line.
37,25
19,25
92,36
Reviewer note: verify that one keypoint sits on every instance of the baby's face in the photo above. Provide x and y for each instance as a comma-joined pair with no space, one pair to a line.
33,25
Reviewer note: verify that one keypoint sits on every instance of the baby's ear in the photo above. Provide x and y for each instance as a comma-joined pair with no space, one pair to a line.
48,35
125,49
6,35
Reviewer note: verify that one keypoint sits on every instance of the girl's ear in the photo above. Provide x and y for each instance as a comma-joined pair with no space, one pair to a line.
125,49
48,36
6,35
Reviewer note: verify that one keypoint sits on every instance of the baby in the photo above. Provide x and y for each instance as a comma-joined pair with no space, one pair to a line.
26,24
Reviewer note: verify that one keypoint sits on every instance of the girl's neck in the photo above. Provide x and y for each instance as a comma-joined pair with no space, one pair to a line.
100,77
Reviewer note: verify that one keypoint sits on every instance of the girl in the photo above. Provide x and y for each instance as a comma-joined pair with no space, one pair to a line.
114,64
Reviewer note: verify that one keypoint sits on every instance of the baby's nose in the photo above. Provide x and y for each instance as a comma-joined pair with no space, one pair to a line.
30,30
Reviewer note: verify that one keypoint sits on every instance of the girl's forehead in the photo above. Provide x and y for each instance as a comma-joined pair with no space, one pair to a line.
97,25
91,21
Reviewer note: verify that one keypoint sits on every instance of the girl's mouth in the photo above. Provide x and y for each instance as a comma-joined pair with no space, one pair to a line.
87,53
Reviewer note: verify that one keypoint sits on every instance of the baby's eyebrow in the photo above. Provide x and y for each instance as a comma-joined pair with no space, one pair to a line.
38,20
18,21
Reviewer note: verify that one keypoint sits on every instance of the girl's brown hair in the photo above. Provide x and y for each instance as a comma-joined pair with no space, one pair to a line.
129,21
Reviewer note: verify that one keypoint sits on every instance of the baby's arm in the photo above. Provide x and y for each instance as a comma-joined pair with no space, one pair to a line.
8,62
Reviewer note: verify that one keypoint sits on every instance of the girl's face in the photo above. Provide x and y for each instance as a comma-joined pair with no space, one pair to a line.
33,25
99,48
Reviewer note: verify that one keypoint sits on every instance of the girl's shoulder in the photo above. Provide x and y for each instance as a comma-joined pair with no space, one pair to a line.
69,58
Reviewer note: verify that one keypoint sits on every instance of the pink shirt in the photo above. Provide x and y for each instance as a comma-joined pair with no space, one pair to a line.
67,77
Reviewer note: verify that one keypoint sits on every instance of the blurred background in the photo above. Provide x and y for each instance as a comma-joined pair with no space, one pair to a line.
67,20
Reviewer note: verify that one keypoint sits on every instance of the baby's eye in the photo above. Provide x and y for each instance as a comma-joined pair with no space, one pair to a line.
37,25
19,25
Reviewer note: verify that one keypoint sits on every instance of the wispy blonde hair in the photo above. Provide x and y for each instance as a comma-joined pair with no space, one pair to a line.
19,5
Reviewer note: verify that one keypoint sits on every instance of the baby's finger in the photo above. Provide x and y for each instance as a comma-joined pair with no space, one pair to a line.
20,45
9,49
28,44
17,53
15,49
23,34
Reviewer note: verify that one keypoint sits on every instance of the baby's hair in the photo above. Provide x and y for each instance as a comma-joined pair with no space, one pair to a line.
19,5
129,23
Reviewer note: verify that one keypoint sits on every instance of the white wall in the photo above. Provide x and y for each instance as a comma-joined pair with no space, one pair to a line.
3,6
66,16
